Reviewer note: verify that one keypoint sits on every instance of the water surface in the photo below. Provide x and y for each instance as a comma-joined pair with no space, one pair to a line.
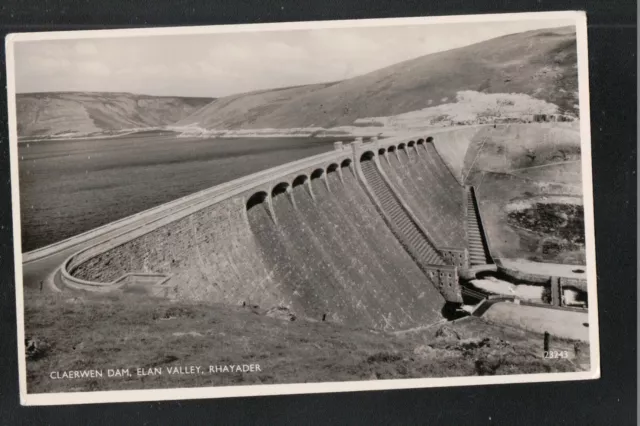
71,186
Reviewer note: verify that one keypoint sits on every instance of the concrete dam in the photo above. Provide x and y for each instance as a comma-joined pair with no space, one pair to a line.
372,234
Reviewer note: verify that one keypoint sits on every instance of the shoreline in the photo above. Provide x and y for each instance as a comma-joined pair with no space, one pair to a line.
310,132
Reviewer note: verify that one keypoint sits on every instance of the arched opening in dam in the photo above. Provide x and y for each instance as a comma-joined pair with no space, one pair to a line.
332,168
255,199
300,180
317,173
280,188
367,156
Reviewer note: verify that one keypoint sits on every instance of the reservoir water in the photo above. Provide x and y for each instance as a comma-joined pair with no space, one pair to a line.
71,186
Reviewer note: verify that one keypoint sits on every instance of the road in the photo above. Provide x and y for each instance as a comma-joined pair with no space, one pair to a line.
567,324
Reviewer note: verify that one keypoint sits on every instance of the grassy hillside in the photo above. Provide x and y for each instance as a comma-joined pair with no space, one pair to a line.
50,114
540,63
125,332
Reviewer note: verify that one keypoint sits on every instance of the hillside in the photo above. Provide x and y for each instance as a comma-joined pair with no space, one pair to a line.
529,192
245,109
541,64
42,115
533,71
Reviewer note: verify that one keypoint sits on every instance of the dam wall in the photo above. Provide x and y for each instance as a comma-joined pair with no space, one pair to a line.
407,228
453,145
333,253
204,254
419,176
311,235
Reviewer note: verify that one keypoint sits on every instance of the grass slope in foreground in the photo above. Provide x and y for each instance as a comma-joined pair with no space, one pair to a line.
127,331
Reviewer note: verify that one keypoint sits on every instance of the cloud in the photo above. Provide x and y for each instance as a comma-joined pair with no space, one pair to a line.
159,71
185,70
55,50
93,68
279,50
230,54
152,70
343,41
208,68
86,48
47,65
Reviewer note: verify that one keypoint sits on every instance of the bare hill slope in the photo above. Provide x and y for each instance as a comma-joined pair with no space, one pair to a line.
245,109
50,114
540,63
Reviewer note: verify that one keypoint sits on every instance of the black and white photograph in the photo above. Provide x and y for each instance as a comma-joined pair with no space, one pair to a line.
302,207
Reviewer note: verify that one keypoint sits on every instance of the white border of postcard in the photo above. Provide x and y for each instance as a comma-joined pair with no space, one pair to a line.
283,389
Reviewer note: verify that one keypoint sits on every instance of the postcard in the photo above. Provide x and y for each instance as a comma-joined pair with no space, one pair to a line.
263,209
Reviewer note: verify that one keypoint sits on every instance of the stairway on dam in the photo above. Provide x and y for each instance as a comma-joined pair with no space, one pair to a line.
410,233
478,249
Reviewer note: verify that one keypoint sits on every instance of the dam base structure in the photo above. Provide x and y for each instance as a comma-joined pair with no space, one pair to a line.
370,234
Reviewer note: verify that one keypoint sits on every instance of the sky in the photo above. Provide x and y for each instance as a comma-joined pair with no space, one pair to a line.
220,64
